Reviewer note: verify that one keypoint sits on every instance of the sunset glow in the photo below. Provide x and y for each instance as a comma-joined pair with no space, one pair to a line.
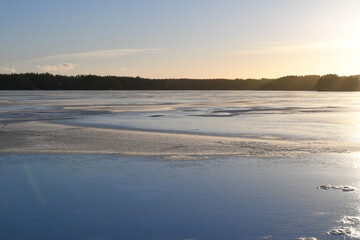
202,39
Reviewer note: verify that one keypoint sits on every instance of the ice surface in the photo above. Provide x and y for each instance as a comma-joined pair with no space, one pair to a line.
249,163
92,196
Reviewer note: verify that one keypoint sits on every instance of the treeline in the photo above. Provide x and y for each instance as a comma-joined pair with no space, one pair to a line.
334,82
46,81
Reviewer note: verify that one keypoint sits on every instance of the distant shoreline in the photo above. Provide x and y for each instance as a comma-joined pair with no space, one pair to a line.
46,81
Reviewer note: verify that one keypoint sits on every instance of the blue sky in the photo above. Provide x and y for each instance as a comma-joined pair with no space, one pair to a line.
181,38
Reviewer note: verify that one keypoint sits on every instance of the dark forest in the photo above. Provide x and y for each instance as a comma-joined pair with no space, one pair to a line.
46,81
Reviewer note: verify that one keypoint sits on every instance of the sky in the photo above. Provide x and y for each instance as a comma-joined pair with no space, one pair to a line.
181,38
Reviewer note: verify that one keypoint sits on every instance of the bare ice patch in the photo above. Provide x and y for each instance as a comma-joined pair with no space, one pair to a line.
342,231
333,187
306,238
267,237
350,220
183,158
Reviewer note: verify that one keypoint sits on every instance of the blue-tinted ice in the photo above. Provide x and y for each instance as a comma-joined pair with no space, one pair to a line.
69,196
223,197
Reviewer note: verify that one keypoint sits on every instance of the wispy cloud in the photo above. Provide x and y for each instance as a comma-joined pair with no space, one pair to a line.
99,54
7,70
56,68
293,47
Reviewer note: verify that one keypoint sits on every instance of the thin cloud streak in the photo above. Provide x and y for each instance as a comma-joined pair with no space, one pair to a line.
56,68
99,54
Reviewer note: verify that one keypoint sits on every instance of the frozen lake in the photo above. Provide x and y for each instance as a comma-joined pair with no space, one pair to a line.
198,181
118,197
285,115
